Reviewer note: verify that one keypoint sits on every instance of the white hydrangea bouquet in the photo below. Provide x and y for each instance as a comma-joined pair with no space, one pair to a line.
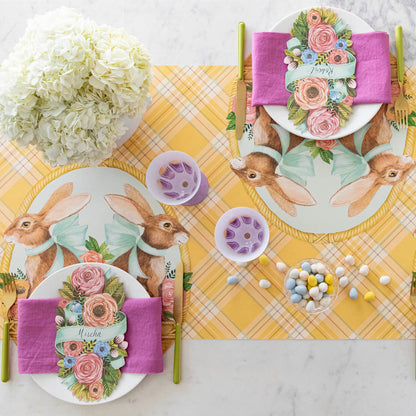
69,86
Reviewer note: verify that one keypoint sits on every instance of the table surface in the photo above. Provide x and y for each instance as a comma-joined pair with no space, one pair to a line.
235,377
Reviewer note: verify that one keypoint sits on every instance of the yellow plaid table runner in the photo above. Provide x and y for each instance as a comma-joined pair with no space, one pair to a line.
188,114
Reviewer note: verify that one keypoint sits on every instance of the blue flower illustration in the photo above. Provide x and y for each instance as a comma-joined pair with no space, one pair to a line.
309,56
341,44
102,348
335,96
76,307
69,362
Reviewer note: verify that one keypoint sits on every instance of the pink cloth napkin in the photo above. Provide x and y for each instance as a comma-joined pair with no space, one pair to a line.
36,333
372,69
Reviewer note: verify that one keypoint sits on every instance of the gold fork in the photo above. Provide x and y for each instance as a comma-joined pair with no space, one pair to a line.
413,301
401,106
9,298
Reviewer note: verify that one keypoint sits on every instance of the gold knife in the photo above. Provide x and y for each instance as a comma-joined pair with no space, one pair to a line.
240,107
177,315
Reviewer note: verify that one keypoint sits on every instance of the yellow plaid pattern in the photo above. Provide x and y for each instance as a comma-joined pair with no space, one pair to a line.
188,114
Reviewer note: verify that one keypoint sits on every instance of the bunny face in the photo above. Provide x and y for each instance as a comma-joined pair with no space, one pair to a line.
164,231
255,169
28,230
391,169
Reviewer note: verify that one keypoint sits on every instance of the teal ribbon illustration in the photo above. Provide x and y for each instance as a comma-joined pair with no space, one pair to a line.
328,71
352,166
123,236
295,164
67,233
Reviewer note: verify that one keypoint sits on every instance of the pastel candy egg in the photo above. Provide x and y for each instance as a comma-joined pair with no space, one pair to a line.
343,281
312,280
307,267
364,270
314,291
290,283
385,280
294,274
232,280
339,271
300,282
325,302
264,260
319,278
304,275
296,298
353,293
306,296
318,296
242,263
301,290
303,302
323,287
310,306
281,267
329,279
313,267
320,268
265,284
369,296
292,291
350,260
330,289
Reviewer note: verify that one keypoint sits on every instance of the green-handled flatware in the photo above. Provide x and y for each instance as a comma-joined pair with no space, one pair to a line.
401,106
240,106
177,315
9,298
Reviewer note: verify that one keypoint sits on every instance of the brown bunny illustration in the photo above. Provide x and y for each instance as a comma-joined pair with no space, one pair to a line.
259,168
385,168
160,233
33,231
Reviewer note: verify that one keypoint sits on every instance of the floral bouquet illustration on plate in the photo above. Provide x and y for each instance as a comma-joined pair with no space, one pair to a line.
90,341
320,73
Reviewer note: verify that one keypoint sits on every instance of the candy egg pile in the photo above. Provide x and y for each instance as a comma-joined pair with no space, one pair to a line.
311,285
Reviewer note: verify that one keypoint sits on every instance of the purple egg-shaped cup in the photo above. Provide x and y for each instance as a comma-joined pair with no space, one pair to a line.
174,178
242,234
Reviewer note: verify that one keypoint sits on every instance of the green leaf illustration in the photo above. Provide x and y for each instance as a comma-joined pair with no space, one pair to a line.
92,244
231,124
169,314
345,34
187,281
411,119
324,155
300,28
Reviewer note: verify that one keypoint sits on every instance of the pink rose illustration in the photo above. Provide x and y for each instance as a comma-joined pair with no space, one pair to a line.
322,38
337,57
313,17
88,368
311,93
323,123
250,111
88,279
348,100
99,310
96,390
395,89
168,292
326,144
92,256
63,302
73,348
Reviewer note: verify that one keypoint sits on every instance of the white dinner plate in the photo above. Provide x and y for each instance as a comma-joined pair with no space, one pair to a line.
51,383
362,113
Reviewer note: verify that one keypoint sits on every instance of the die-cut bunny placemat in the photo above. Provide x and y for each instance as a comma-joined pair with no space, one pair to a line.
189,110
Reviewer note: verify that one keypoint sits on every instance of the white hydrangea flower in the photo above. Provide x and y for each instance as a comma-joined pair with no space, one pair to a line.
68,85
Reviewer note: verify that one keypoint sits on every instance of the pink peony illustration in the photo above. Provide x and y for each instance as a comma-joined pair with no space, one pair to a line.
63,302
92,256
337,57
250,111
88,368
73,348
323,123
88,279
322,38
313,17
348,100
99,310
311,93
96,390
326,144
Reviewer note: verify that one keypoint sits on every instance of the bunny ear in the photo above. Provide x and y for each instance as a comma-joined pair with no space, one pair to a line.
65,208
126,208
280,198
360,205
294,192
263,131
62,192
137,197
